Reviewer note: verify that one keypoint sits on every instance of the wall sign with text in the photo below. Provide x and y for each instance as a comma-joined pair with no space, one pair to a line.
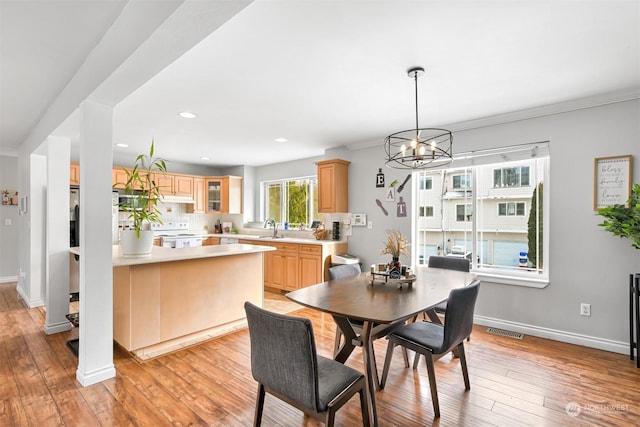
612,181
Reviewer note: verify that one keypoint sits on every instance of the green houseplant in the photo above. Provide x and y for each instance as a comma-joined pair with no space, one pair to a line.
141,204
624,220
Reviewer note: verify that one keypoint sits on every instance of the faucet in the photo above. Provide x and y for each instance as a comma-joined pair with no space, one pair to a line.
272,222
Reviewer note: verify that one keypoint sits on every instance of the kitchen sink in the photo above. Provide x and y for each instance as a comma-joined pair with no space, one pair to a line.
271,237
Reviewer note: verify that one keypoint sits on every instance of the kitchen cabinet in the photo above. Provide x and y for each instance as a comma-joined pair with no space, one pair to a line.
333,186
174,185
223,194
310,265
210,241
119,178
74,174
284,267
199,196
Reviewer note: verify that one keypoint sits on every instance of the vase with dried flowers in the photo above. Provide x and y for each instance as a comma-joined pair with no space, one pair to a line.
395,245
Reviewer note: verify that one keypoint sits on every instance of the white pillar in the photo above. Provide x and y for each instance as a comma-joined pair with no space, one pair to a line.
57,232
95,352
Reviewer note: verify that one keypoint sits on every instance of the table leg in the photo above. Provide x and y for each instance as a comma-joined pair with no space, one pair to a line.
369,370
349,334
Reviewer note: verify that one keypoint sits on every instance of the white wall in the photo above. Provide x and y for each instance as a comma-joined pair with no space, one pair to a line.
8,232
586,263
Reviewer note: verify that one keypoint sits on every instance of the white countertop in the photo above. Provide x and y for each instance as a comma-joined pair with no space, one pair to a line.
160,254
305,241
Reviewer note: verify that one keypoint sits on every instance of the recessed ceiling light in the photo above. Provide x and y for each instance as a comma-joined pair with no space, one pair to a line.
187,115
281,139
122,145
204,158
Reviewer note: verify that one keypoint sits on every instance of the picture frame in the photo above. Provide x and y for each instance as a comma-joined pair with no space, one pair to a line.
611,181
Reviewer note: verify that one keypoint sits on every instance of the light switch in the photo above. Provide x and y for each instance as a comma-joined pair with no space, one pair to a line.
7,221
370,225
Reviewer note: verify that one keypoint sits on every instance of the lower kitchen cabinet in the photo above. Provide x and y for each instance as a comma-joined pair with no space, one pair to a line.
295,265
210,241
310,265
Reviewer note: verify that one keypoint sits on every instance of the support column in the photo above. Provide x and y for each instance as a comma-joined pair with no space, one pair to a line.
95,352
57,232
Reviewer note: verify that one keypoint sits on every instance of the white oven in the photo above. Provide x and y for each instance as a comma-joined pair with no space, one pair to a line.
176,235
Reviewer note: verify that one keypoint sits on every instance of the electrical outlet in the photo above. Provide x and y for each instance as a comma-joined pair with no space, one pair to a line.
585,309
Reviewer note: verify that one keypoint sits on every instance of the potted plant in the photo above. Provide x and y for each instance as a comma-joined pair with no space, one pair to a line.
141,203
624,220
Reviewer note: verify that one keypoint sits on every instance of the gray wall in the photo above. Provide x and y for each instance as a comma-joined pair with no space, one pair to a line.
586,264
8,233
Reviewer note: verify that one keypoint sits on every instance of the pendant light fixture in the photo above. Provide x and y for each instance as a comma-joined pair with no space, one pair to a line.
418,148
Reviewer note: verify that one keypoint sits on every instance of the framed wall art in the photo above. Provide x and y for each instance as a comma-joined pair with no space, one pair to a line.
612,181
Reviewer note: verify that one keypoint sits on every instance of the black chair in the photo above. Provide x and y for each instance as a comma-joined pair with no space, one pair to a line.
338,272
434,340
285,364
448,263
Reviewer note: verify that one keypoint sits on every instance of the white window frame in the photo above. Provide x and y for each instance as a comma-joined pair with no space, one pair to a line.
515,208
495,156
283,205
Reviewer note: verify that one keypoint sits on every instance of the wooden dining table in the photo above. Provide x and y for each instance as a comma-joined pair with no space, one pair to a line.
380,306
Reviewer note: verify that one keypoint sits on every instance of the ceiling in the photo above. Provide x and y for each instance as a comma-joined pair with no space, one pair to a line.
325,74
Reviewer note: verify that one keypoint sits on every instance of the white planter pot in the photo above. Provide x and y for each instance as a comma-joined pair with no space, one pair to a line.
134,247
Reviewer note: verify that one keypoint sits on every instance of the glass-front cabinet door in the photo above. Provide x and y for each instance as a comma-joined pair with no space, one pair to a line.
214,194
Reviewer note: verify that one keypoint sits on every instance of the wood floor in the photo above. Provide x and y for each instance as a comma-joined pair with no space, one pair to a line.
513,383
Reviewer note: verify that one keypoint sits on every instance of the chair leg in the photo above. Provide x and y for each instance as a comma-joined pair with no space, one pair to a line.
416,359
463,364
364,408
431,369
330,418
387,363
257,420
405,355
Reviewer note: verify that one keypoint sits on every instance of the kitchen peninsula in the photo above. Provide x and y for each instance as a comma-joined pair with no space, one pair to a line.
178,297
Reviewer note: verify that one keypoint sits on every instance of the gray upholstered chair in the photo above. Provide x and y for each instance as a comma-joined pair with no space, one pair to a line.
339,272
449,263
434,340
285,364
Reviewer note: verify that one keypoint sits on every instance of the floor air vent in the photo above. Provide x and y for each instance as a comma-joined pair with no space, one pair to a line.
502,332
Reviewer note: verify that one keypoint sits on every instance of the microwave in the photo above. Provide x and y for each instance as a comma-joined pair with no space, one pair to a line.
129,202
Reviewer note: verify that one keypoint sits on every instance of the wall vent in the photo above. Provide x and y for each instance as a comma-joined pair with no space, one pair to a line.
502,332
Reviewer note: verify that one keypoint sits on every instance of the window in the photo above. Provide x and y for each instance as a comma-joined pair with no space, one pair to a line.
511,209
493,210
511,177
463,212
462,181
426,183
426,211
292,200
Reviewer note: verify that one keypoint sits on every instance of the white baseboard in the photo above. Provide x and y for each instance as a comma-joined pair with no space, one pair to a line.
8,279
96,376
554,334
30,303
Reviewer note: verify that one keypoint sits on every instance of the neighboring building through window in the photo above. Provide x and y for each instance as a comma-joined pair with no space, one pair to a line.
426,183
493,214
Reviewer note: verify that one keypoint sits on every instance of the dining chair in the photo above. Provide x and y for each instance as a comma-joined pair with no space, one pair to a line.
434,340
286,365
339,272
448,263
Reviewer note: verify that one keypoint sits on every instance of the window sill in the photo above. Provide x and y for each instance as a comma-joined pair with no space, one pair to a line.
515,279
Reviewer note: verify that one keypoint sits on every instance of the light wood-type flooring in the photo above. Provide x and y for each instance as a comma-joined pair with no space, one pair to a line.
513,383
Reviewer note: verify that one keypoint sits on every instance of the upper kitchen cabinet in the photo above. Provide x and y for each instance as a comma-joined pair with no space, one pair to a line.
174,185
333,186
74,174
224,194
199,196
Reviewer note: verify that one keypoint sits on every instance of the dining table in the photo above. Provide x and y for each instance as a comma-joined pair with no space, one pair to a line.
381,306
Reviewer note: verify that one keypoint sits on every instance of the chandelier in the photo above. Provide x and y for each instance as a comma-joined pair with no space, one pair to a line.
418,148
